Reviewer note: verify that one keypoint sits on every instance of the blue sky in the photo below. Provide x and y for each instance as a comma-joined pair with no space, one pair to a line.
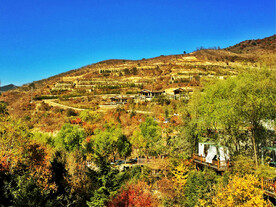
41,38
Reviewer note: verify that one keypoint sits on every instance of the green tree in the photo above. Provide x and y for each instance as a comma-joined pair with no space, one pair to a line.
245,101
14,137
105,143
138,142
152,134
69,137
191,132
90,116
199,186
108,183
124,146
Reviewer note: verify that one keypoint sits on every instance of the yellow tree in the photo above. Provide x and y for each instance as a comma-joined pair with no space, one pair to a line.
240,191
14,137
181,173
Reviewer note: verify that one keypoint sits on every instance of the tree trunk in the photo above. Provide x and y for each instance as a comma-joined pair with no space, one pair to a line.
254,148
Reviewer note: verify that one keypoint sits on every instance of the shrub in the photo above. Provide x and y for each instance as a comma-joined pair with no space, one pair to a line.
71,112
138,194
3,107
199,186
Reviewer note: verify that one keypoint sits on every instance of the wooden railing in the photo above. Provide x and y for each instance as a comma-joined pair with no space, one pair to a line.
269,186
217,163
200,158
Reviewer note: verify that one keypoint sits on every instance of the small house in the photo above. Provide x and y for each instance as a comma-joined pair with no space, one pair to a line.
148,93
118,100
145,92
178,91
182,93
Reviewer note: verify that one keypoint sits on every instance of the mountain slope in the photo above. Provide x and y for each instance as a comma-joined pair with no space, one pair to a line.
266,45
94,86
252,51
8,87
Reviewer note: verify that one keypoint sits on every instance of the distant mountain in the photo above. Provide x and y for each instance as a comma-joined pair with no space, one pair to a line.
266,45
8,87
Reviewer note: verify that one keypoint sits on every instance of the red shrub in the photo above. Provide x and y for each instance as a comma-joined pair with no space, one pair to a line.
76,121
138,195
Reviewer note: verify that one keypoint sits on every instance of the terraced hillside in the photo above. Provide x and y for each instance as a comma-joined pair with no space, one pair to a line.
106,84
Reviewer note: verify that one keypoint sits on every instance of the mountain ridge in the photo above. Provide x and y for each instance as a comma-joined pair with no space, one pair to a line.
8,87
96,85
241,52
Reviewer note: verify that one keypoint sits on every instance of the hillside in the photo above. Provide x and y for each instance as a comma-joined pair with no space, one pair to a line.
247,51
266,45
8,87
204,61
96,86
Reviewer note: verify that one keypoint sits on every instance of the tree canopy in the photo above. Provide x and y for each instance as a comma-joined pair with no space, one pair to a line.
70,137
238,104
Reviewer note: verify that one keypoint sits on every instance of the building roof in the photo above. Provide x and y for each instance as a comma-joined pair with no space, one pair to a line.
145,90
212,143
158,91
179,90
270,148
148,91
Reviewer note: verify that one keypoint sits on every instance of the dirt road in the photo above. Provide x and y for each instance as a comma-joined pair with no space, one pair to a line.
52,102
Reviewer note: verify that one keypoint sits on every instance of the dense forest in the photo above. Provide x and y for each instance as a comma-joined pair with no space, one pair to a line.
141,153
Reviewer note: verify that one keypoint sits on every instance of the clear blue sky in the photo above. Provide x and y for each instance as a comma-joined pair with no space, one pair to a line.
41,38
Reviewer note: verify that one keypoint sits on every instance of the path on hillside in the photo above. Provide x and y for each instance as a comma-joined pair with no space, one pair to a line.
102,108
52,103
140,112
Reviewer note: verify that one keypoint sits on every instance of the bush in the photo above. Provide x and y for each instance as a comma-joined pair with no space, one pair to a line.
134,195
199,186
44,106
162,99
3,107
90,116
71,112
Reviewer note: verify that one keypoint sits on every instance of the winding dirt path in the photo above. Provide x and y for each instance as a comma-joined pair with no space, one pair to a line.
52,103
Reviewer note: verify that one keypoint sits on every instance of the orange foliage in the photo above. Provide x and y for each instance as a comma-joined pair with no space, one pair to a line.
28,106
176,121
167,188
38,158
138,195
76,121
4,164
89,128
78,178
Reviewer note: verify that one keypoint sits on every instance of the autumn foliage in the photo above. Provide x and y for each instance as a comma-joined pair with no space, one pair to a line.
76,121
240,191
134,195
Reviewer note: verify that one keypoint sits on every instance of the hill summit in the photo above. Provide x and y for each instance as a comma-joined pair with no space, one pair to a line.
8,87
266,45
